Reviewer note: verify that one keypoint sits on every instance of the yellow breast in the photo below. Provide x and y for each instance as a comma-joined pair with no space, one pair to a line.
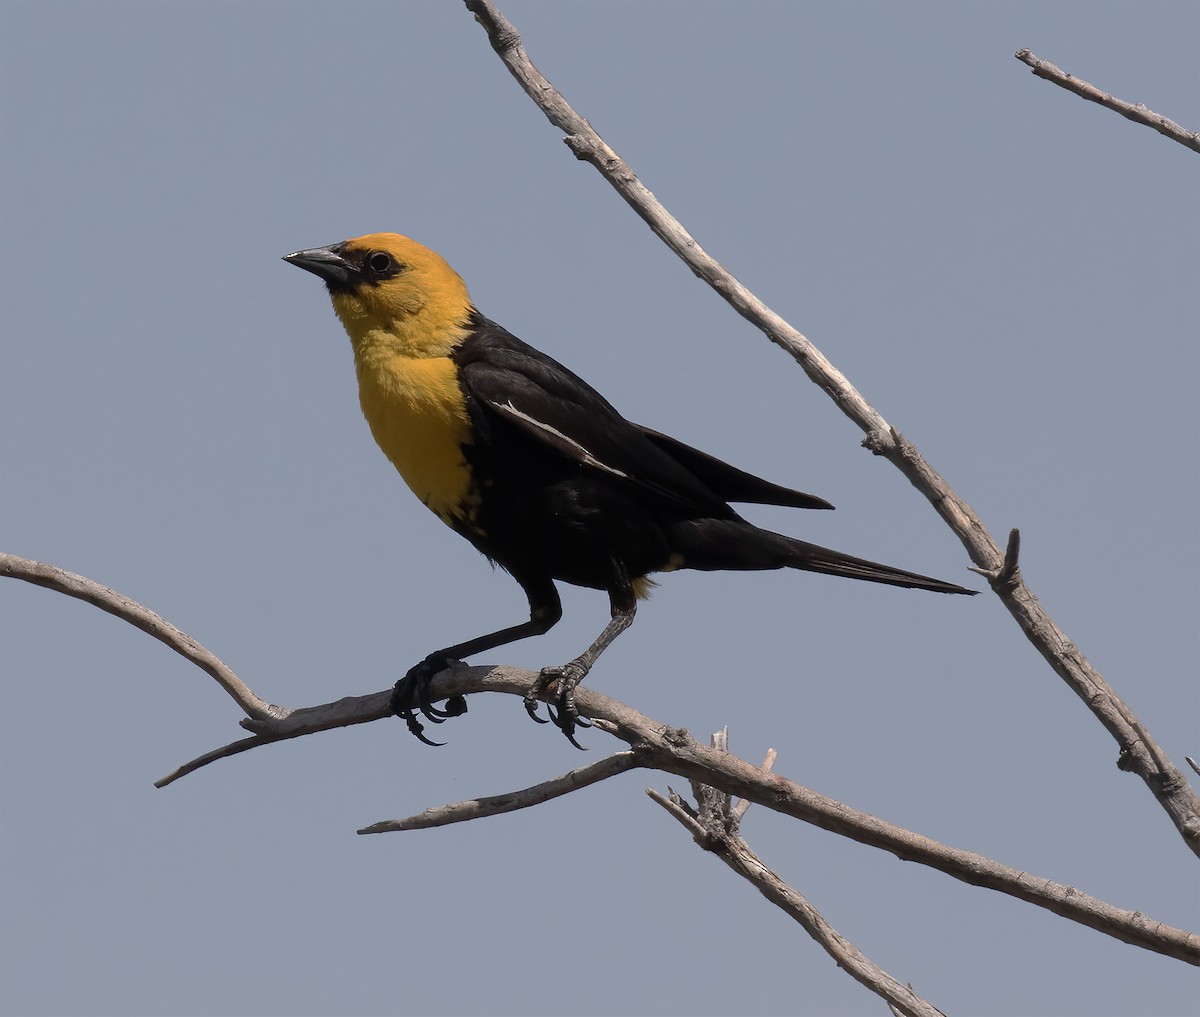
418,415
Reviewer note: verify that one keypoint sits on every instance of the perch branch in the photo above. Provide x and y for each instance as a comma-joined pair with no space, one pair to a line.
1138,753
1137,112
672,750
495,805
655,746
714,825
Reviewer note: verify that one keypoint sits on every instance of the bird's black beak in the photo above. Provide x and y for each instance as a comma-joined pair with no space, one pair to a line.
326,262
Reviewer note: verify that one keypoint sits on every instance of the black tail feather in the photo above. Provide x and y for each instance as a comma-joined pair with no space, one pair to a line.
813,558
736,545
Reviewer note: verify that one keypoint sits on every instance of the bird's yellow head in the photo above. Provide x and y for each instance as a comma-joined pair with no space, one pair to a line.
392,294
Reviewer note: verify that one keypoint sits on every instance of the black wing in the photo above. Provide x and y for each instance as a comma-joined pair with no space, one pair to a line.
728,481
509,380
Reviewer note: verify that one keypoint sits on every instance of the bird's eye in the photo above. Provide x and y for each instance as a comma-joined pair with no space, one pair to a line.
380,263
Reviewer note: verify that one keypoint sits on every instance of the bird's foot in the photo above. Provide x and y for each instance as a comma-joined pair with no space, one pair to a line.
411,695
566,678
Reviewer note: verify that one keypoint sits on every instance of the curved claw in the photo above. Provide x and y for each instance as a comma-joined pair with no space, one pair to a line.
531,706
531,697
567,725
566,718
417,730
433,714
411,694
570,736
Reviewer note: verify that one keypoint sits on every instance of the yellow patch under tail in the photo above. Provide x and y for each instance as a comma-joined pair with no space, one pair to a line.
643,587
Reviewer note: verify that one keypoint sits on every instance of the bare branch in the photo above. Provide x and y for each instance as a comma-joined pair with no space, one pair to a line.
143,618
1137,112
677,752
495,805
304,720
714,826
224,752
672,750
1138,753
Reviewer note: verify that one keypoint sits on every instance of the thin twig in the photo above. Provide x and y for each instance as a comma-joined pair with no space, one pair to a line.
224,752
1138,752
304,720
496,805
41,574
678,808
1137,112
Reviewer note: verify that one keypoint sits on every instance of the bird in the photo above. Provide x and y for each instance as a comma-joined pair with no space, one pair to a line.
537,470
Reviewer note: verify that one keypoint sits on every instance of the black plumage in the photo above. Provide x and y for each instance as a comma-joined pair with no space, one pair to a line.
570,490
535,468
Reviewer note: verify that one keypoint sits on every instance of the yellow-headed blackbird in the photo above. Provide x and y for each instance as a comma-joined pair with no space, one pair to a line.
535,468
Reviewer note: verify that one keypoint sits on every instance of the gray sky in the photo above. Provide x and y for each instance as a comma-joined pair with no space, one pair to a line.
1007,272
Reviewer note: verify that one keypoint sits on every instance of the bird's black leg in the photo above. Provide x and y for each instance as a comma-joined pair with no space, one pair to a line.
566,677
411,694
